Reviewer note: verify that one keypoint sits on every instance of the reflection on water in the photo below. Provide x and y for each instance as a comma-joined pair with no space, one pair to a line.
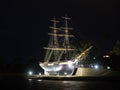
75,85
39,80
38,84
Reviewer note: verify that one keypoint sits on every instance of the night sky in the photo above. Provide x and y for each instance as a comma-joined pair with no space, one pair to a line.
24,24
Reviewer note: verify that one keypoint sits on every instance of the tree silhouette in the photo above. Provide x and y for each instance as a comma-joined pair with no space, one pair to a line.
116,48
94,53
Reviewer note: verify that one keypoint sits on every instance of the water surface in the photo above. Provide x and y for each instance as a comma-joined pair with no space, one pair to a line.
13,83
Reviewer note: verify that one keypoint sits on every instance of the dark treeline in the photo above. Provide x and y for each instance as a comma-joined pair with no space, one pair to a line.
96,54
33,64
114,59
19,65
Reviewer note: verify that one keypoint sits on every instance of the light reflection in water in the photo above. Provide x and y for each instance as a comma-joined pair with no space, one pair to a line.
37,84
61,85
72,85
39,80
29,79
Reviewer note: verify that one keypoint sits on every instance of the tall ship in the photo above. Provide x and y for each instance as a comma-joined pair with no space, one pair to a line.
59,57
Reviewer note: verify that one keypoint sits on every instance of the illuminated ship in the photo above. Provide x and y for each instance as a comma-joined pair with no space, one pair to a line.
59,59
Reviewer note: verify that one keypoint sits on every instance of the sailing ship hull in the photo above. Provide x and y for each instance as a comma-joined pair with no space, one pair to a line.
65,68
73,69
88,71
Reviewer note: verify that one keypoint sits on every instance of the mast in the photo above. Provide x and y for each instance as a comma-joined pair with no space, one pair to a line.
53,42
66,31
56,35
54,28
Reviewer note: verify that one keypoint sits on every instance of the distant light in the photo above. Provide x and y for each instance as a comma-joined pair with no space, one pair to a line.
39,80
96,66
106,56
30,72
91,66
108,67
65,73
29,79
39,73
81,65
94,58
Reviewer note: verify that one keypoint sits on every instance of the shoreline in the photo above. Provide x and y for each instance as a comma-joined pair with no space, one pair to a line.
109,77
78,78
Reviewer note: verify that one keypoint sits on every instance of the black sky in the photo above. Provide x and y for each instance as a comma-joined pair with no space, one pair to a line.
24,24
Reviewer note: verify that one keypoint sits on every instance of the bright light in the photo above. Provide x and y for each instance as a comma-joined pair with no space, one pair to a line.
53,68
108,67
39,73
39,80
96,66
65,73
106,56
70,64
29,79
30,72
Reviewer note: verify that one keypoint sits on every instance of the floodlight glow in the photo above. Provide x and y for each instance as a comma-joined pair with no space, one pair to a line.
29,79
65,73
96,66
108,67
53,68
39,73
39,80
30,72
70,64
